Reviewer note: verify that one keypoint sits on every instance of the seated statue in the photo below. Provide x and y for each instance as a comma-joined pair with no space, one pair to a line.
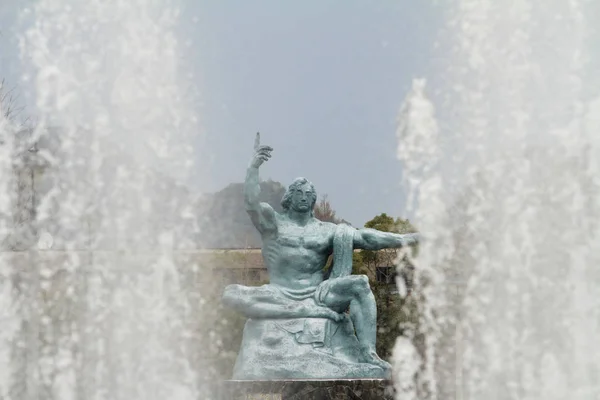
307,323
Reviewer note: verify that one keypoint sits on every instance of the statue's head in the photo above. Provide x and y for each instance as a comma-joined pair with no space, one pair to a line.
300,196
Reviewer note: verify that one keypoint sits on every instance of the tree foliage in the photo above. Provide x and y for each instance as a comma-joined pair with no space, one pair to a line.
8,102
324,212
385,223
387,257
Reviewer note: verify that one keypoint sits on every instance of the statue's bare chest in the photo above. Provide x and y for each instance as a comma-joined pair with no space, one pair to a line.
312,236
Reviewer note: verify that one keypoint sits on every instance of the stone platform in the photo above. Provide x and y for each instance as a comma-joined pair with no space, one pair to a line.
301,349
311,389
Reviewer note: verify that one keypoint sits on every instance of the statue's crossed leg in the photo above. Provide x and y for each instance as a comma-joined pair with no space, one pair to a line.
270,302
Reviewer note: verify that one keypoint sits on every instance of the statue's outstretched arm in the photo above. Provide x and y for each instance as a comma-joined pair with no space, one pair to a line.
261,214
372,239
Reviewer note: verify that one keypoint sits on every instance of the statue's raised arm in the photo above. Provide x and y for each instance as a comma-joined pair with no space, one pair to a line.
261,214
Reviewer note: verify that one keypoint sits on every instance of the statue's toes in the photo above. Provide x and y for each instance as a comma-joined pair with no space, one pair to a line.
386,366
371,357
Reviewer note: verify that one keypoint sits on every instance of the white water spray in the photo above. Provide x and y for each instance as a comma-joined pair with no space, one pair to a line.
99,311
512,230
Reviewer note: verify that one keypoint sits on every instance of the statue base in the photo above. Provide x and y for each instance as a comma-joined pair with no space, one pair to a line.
311,389
304,348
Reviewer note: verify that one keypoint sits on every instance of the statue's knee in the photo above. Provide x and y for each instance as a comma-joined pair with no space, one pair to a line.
231,295
230,290
361,281
361,284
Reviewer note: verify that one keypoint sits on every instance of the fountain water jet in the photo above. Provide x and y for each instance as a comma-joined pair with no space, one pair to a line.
508,195
103,312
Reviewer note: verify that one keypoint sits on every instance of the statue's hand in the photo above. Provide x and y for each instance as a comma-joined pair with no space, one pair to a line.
323,312
261,153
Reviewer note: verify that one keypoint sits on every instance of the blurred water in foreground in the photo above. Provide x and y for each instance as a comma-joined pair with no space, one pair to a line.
106,308
504,177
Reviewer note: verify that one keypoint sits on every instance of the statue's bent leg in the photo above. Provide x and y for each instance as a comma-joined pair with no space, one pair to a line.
354,291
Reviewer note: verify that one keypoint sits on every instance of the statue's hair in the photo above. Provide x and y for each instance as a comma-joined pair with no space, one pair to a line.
286,201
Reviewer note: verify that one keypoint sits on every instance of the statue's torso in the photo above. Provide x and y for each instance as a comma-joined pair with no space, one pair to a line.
295,255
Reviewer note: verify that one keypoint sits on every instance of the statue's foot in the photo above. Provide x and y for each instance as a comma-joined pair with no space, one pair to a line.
370,356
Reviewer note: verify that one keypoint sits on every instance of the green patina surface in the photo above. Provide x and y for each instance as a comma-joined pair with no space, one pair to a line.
307,323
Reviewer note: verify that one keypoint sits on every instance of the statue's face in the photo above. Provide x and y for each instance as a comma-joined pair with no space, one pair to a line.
302,198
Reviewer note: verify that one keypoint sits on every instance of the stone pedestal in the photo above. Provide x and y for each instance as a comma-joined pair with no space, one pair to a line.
302,348
312,389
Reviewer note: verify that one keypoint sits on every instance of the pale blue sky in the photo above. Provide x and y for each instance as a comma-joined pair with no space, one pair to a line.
322,80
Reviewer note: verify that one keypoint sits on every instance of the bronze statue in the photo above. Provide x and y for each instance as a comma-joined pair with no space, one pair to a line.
298,324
